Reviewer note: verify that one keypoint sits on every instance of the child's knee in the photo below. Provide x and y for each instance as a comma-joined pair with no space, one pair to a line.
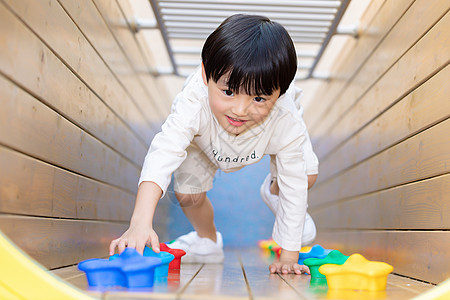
189,200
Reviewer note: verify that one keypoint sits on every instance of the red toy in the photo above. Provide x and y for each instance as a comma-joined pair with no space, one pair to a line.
178,253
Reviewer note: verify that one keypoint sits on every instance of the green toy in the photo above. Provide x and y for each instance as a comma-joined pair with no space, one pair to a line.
334,257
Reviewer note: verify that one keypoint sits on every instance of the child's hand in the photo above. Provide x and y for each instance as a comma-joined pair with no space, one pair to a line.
137,236
286,267
288,264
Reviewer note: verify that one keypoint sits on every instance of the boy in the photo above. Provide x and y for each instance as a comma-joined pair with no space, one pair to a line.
231,112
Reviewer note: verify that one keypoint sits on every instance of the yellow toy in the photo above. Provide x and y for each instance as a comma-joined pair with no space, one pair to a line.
305,249
23,278
357,273
267,244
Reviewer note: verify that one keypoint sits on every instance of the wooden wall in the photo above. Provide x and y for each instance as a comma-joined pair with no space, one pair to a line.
78,111
381,130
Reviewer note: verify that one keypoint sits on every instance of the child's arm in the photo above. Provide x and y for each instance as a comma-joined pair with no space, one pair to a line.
288,263
141,230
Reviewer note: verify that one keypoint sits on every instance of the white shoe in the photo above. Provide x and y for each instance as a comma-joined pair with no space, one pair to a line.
199,250
309,230
271,200
184,242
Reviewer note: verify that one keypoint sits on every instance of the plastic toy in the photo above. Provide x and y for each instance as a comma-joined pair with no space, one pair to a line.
166,258
357,273
316,251
266,244
275,249
271,246
334,257
130,270
178,253
305,249
318,286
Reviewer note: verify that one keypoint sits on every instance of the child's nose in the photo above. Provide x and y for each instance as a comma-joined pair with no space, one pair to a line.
240,107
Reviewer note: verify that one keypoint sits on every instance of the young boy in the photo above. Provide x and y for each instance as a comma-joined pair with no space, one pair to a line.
238,107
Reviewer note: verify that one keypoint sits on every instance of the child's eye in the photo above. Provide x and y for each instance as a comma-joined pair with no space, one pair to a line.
259,99
228,93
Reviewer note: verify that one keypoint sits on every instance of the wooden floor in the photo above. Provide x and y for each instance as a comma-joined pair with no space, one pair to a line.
244,275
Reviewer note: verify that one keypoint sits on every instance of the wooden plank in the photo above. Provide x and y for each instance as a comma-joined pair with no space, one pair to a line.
264,285
408,284
423,107
419,205
164,288
375,30
60,242
157,85
31,127
76,278
50,23
33,187
423,156
417,254
432,51
213,280
113,14
318,289
69,272
411,26
93,27
43,78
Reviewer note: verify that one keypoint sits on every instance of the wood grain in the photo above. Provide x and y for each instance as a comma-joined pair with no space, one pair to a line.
114,14
28,63
423,107
226,280
419,205
432,51
374,28
51,23
33,187
31,127
90,22
264,285
423,156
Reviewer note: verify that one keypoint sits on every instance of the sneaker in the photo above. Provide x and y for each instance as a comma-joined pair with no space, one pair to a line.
199,250
271,200
309,230
184,242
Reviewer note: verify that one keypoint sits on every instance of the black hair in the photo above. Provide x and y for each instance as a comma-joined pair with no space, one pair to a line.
258,54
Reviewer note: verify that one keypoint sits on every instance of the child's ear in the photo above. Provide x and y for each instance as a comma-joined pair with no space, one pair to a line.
205,80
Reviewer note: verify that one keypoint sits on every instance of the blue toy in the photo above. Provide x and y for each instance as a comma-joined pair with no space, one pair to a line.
316,251
129,269
166,258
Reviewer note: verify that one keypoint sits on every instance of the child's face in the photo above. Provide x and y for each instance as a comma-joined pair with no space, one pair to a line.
237,112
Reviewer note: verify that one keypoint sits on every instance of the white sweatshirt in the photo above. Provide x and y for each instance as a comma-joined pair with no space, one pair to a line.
282,134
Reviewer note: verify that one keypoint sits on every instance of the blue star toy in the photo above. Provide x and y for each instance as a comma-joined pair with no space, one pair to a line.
129,269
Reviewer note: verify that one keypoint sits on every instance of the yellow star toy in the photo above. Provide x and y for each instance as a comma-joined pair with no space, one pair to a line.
357,273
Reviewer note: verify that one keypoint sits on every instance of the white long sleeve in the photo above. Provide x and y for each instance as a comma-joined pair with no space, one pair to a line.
168,148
